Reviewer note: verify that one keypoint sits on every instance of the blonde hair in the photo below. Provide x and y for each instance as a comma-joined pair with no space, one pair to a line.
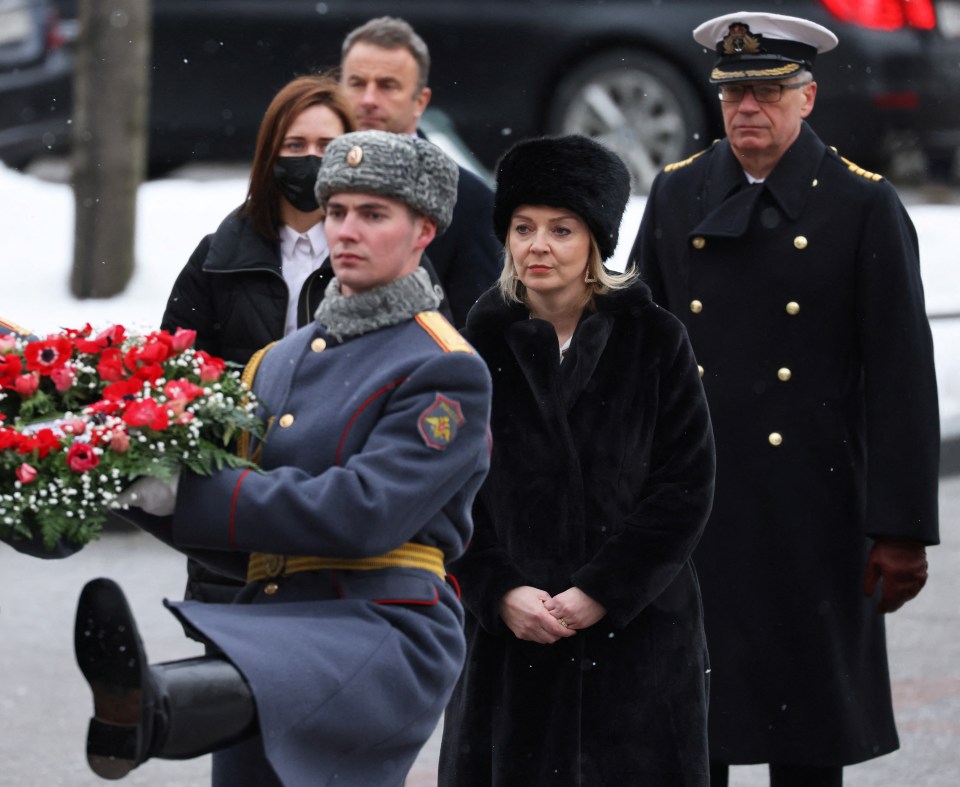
604,281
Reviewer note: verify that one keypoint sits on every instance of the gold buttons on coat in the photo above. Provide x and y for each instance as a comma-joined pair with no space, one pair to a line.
286,420
775,438
800,242
793,308
784,374
318,345
698,242
815,183
270,588
700,369
696,306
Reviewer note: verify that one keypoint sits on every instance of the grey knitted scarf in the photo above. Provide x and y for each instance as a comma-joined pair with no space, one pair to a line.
353,315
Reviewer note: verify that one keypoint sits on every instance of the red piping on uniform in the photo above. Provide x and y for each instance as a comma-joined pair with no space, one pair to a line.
436,598
233,509
456,585
360,409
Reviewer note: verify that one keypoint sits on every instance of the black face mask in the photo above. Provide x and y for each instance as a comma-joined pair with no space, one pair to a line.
296,177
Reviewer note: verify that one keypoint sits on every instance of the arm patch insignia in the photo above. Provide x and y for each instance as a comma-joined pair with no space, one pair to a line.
440,423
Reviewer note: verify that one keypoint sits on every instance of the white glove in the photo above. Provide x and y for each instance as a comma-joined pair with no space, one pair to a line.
151,495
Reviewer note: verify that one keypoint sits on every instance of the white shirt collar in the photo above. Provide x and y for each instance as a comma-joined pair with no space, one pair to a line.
289,237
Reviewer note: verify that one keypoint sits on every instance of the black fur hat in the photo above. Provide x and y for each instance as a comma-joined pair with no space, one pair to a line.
571,172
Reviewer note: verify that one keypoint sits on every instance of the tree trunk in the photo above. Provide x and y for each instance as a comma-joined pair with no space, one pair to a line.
110,116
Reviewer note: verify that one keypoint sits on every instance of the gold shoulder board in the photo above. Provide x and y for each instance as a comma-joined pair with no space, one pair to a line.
858,170
443,333
694,157
12,326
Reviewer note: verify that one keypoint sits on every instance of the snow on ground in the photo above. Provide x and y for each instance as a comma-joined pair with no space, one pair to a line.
36,241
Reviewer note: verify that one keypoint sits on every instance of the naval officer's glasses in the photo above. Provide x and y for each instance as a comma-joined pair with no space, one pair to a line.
763,92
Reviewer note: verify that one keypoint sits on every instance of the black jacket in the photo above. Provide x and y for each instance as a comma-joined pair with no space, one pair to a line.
467,257
232,293
601,478
804,304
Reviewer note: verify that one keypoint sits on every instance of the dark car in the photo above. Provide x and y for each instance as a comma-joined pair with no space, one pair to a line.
35,72
626,71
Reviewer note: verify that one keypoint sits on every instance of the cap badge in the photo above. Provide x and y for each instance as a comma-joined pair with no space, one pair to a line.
740,41
355,156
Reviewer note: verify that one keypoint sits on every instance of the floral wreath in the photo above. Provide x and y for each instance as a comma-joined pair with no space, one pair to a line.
82,415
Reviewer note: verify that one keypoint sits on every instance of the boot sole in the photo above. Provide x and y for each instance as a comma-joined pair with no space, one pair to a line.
111,657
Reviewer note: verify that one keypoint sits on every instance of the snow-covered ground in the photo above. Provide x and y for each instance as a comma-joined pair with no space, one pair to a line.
36,242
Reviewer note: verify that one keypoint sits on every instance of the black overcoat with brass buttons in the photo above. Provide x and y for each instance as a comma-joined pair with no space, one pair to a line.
804,305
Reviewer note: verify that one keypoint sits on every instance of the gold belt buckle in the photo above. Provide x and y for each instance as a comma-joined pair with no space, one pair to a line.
274,565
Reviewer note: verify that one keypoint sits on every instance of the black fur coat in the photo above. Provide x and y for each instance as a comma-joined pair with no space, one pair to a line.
601,478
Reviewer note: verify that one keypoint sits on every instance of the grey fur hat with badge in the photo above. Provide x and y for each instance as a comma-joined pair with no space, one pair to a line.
571,172
399,166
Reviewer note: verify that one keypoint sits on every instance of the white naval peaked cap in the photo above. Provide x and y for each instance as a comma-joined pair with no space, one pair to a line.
758,45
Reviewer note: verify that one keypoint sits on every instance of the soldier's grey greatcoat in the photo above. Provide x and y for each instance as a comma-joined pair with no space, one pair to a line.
377,440
805,309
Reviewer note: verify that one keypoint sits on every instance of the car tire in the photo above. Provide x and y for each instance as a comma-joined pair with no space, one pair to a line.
635,103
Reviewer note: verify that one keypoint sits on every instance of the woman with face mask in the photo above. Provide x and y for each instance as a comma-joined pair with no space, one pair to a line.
263,272
260,275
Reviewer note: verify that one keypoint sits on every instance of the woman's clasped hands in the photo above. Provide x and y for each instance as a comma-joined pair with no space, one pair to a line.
534,615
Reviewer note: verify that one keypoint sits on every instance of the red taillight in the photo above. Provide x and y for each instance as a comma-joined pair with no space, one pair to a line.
55,38
884,14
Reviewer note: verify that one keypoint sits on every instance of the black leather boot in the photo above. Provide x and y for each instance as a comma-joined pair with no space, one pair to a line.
175,710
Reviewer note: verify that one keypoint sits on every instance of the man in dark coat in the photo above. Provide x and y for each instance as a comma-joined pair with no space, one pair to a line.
341,651
385,67
797,275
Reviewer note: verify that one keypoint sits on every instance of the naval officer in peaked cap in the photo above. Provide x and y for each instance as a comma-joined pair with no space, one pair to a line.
796,273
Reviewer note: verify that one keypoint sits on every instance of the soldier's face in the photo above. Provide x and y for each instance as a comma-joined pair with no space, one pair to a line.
754,127
373,240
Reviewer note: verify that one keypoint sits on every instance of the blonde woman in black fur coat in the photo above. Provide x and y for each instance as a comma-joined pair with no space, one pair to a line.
586,659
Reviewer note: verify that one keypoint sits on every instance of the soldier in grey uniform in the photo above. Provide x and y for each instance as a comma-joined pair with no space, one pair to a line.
341,651
796,273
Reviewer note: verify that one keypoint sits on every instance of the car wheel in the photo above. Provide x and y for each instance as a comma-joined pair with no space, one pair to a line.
636,104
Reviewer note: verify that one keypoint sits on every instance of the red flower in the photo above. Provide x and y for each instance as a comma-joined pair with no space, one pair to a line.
110,365
81,457
75,426
182,339
103,407
63,377
119,441
211,368
43,442
51,353
9,438
182,389
26,473
10,368
122,389
111,337
26,384
146,413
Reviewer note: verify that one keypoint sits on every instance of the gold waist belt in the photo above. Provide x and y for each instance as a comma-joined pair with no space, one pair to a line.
410,555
